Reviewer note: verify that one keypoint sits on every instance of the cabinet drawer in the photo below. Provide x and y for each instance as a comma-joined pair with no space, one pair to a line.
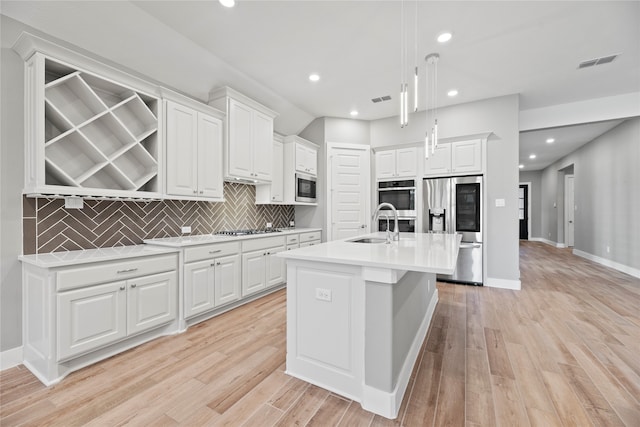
294,246
112,271
293,239
199,253
307,237
311,243
262,243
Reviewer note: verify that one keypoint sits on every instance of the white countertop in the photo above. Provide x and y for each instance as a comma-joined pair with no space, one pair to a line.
431,253
68,258
203,239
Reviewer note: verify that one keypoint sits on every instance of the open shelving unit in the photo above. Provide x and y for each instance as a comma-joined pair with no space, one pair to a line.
98,134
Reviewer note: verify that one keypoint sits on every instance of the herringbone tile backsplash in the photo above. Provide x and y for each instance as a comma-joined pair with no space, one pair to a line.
49,227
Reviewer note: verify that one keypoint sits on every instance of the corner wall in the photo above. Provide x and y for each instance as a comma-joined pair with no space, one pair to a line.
606,193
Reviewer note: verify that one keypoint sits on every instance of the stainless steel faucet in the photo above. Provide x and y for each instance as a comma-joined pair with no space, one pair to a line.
396,229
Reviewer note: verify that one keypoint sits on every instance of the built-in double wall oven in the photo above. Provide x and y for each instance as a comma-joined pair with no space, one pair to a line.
402,195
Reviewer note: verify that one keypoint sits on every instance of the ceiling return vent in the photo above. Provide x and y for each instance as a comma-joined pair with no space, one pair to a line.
381,99
597,61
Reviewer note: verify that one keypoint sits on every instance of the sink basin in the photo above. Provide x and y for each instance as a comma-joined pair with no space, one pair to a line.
368,240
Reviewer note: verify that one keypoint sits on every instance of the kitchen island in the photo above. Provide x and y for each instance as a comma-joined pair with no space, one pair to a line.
357,313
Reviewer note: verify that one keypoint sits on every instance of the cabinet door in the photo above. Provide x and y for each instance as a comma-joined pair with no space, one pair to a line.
386,164
227,281
277,182
262,146
466,156
90,318
306,159
276,267
209,156
182,150
439,162
312,161
151,301
253,272
240,146
407,162
199,288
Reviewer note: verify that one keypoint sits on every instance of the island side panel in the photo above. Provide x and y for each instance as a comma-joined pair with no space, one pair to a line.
396,322
325,326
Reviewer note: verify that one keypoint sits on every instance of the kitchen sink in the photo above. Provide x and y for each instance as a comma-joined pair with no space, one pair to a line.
368,240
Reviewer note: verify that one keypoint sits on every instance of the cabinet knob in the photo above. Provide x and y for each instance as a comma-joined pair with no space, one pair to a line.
218,263
195,191
122,288
201,191
212,264
133,285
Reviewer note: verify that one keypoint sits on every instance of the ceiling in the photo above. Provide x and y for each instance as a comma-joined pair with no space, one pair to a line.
267,49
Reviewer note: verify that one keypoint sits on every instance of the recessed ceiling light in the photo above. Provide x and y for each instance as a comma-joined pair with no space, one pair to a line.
550,140
452,92
445,37
532,156
520,166
227,3
314,77
354,113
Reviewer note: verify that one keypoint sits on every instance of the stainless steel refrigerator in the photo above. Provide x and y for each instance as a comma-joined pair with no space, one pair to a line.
454,205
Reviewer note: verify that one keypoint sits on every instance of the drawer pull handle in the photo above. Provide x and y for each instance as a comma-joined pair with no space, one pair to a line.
122,288
133,285
128,270
213,264
215,252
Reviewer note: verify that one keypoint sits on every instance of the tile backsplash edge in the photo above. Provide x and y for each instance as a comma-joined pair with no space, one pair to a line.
49,227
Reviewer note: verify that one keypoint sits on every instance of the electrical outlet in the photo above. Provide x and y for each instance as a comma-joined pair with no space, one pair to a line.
269,225
292,223
186,229
323,294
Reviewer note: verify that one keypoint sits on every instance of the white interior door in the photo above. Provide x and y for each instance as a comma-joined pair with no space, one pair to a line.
569,210
349,175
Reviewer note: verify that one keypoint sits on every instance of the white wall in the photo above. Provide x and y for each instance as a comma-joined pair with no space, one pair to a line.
11,170
497,115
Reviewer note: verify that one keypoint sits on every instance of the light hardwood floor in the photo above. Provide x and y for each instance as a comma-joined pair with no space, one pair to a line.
563,351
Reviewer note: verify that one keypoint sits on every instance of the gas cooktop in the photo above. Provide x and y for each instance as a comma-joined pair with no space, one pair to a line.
247,231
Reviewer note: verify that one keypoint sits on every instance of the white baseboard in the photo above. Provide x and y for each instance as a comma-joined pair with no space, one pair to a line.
608,263
503,283
548,242
10,358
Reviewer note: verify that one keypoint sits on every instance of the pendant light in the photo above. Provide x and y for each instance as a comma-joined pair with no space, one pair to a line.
431,109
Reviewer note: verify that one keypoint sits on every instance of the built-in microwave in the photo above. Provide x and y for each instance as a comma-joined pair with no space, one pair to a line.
305,188
401,194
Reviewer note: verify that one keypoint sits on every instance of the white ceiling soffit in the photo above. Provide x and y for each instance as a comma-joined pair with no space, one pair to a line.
567,140
267,49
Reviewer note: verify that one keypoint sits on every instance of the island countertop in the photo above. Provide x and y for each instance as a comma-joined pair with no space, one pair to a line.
424,252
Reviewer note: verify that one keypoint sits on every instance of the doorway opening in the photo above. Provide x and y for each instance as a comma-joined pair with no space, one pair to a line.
569,210
524,209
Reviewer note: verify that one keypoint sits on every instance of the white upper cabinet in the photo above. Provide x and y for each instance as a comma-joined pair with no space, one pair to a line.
400,163
273,192
194,152
300,157
91,130
306,159
455,158
248,144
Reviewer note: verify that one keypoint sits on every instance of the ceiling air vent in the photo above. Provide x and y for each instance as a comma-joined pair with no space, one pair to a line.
597,61
380,99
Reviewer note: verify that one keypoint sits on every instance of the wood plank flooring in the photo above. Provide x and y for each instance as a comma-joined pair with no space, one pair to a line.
563,351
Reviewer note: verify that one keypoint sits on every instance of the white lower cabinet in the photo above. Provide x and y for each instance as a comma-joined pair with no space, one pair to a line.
310,238
77,314
95,316
261,268
211,277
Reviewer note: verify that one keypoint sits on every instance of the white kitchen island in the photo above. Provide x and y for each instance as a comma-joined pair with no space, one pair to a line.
357,313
